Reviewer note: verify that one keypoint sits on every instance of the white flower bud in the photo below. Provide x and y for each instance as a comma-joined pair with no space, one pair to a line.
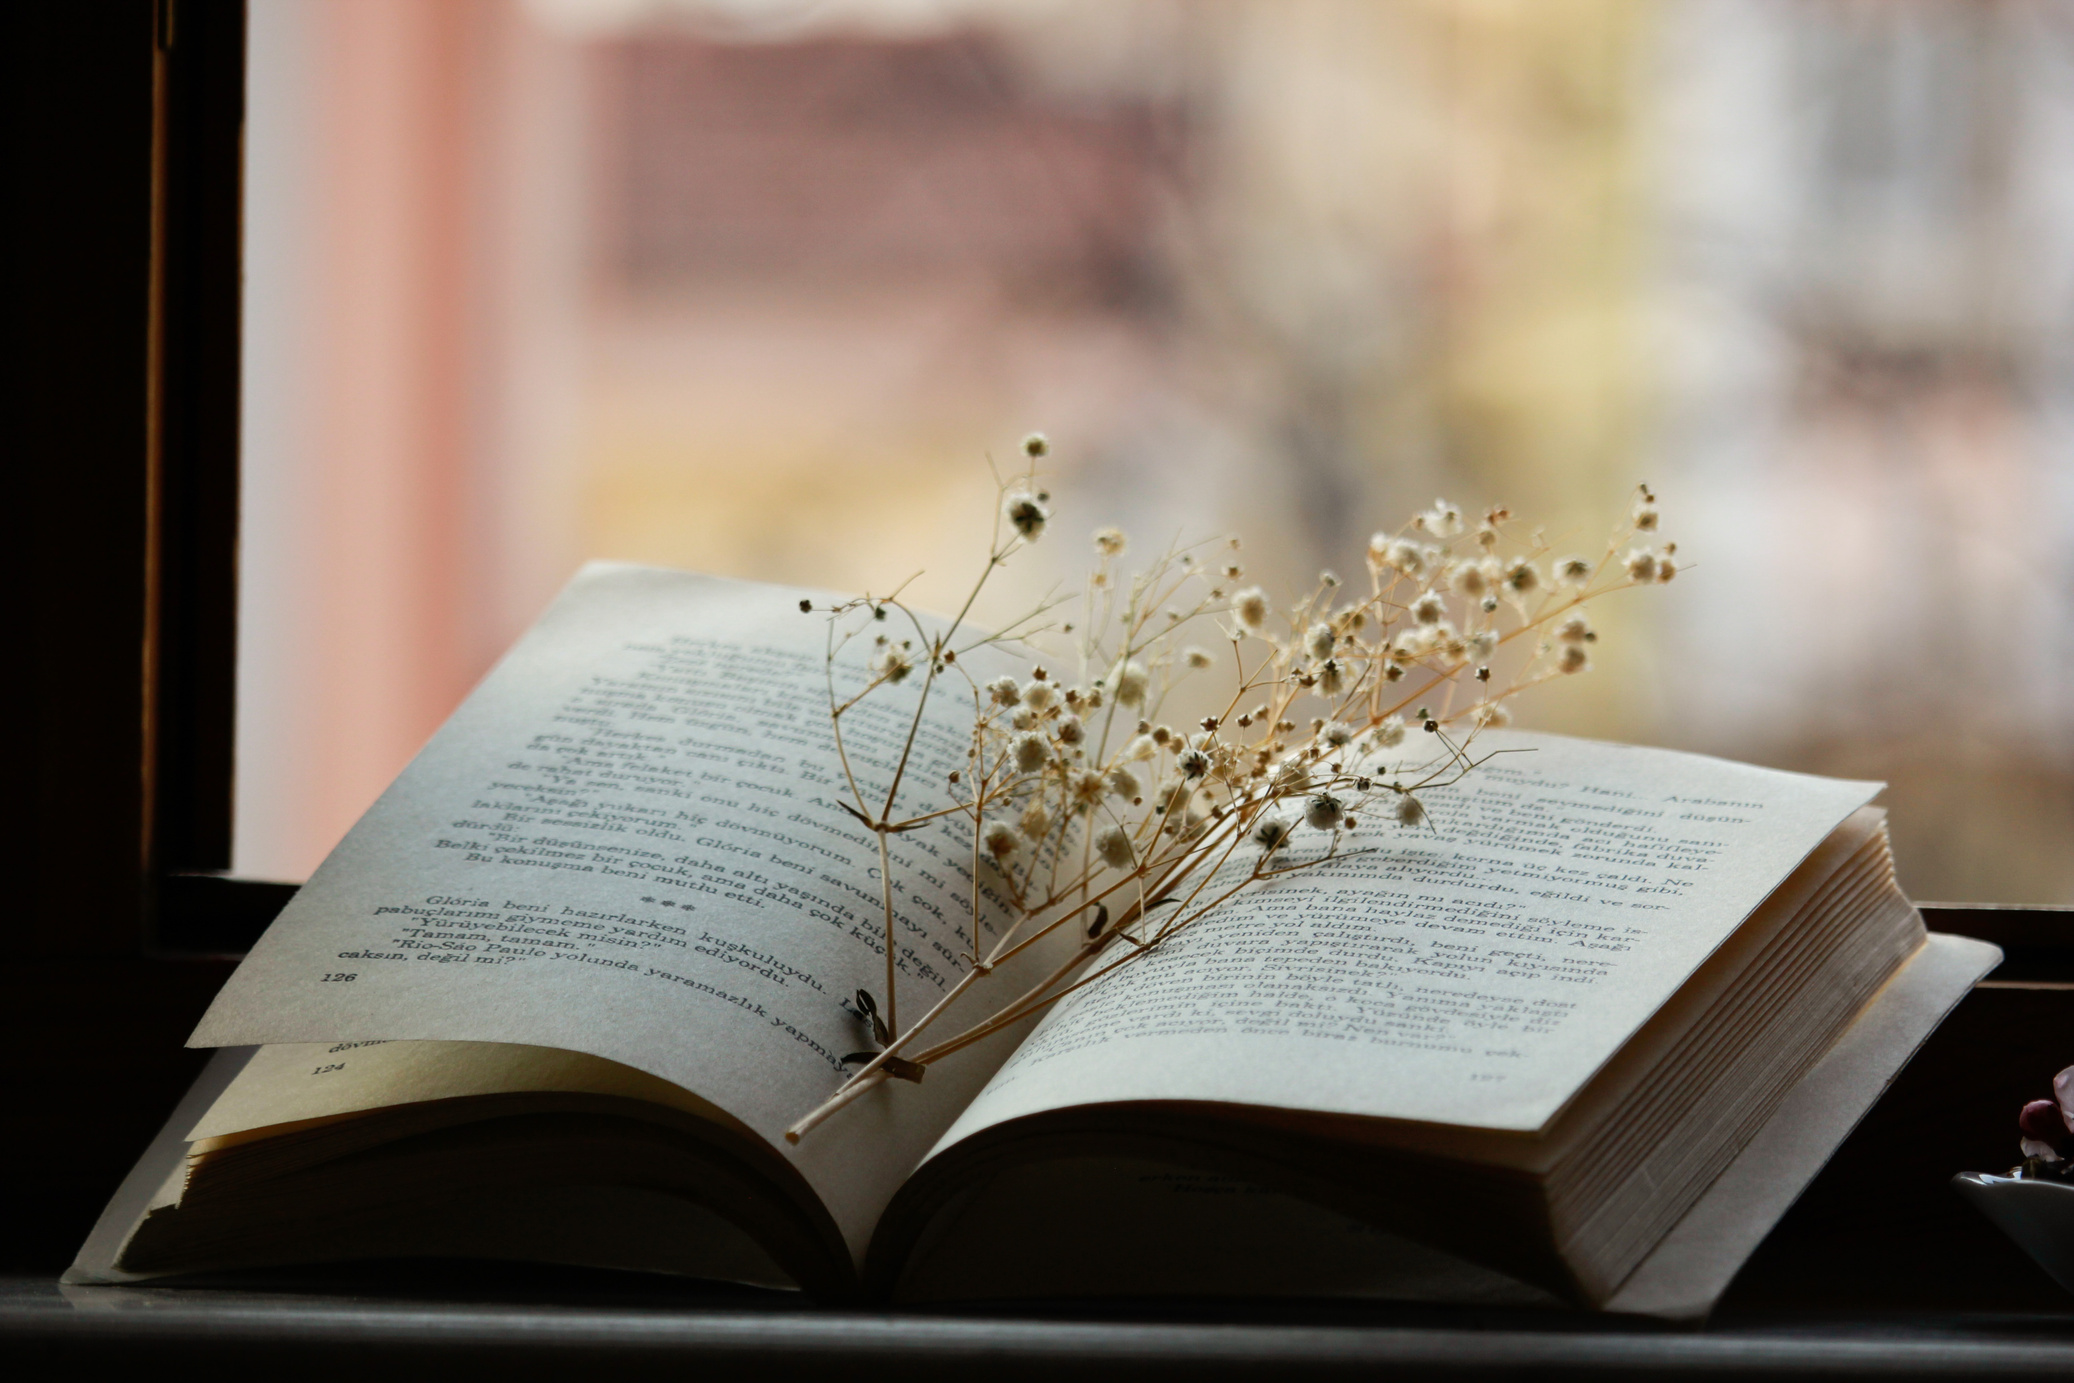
1026,514
893,663
1195,657
1088,788
1410,811
1429,608
1040,696
1113,844
999,840
1399,554
1271,834
1070,730
1032,752
1110,542
1318,642
1132,682
1390,733
1324,812
1574,658
1641,564
1004,691
1443,520
1573,571
1332,678
1251,606
1036,821
1123,782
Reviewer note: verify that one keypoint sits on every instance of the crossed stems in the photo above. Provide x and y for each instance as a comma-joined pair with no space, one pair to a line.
1154,881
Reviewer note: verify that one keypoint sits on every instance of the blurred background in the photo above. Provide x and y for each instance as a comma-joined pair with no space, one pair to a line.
754,286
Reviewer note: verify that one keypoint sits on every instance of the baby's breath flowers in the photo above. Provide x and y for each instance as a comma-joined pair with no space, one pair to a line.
892,663
1338,714
1132,683
1027,514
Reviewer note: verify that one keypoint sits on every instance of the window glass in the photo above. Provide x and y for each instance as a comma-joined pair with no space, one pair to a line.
754,287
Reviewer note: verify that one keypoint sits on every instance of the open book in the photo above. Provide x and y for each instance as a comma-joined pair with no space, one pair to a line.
559,993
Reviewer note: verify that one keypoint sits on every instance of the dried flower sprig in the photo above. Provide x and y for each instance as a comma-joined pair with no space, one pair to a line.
1089,811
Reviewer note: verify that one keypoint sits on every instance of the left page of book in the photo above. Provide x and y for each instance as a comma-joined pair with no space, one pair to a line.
627,843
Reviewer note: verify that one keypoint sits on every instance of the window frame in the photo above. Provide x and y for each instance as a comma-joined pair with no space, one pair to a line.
127,139
125,149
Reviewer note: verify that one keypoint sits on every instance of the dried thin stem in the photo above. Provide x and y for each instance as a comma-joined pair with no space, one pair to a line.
1077,798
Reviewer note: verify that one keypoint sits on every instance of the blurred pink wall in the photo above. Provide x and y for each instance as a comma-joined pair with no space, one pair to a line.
375,594
393,425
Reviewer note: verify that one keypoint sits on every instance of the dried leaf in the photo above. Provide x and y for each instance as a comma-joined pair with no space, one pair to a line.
869,1008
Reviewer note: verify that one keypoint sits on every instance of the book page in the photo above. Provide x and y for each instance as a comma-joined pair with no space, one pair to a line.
294,1082
1476,973
626,843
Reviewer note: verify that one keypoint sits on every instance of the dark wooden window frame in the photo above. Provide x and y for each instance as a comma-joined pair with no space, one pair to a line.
127,128
125,147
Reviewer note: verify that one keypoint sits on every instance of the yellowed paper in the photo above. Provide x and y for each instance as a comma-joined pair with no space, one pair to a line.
294,1081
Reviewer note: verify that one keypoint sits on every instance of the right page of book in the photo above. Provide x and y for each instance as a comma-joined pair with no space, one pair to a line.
1474,971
